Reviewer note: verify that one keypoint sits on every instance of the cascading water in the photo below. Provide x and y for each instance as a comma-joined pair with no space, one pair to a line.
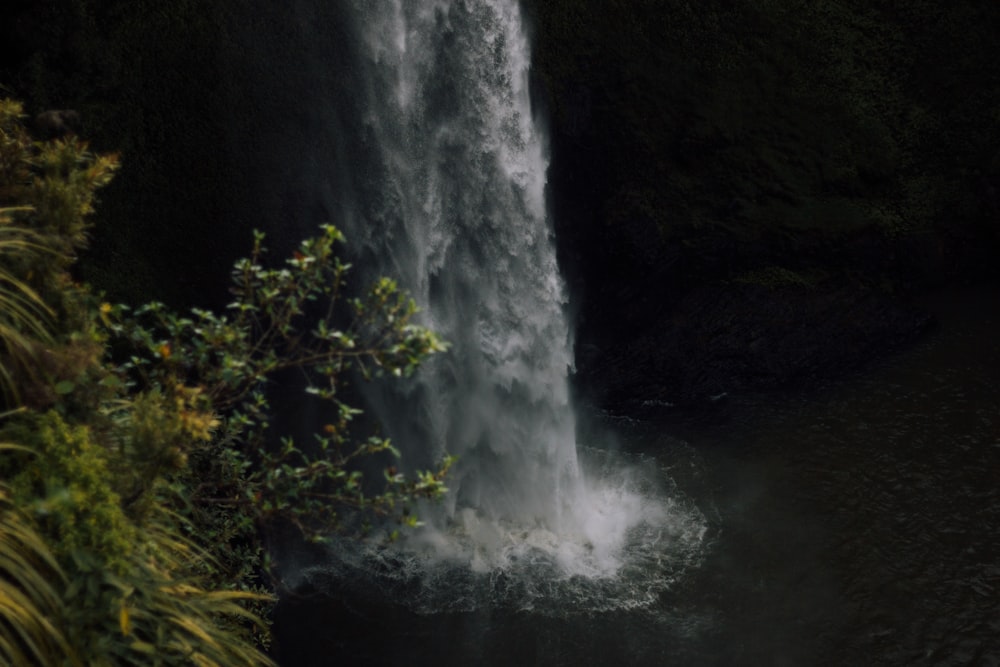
465,231
449,199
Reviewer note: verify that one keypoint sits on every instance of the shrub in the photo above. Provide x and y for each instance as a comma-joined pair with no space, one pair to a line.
140,469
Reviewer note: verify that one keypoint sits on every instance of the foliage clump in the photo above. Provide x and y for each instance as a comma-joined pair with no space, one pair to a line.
66,484
140,470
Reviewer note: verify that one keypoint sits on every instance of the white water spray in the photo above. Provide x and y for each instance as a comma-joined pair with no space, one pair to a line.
452,203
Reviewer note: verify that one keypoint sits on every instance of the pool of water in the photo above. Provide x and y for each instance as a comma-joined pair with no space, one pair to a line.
854,523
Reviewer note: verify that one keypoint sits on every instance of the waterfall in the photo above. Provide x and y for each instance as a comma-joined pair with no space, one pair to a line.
447,181
460,220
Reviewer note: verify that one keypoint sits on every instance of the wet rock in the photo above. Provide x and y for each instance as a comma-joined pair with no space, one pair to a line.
57,123
735,337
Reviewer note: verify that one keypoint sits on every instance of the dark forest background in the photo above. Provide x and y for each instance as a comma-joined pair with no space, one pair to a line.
746,195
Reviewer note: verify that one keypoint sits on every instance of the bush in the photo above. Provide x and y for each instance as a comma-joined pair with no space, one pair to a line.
140,469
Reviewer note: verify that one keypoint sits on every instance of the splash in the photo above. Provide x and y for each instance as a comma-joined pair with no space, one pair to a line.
648,536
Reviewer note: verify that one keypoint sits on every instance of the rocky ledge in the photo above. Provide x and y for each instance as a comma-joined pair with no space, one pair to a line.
734,337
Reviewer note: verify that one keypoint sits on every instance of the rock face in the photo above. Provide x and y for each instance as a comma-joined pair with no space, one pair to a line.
681,320
737,214
685,321
725,339
57,123
22,29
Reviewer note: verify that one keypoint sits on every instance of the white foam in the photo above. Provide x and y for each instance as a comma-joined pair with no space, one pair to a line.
637,540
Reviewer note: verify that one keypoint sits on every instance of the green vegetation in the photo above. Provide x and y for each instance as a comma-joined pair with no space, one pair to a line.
138,470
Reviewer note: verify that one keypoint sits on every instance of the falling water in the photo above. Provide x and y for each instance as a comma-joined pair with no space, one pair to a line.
449,198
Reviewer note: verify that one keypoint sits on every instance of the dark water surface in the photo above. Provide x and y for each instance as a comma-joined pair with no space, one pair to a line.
853,524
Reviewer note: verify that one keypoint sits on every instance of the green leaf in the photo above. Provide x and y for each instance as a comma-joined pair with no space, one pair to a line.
111,381
64,387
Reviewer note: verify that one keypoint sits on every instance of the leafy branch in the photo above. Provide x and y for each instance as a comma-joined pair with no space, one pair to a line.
218,367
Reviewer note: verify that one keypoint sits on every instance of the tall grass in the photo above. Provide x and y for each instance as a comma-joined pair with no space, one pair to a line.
31,583
24,317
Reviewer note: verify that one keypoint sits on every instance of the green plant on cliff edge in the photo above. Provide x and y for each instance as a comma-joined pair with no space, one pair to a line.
138,470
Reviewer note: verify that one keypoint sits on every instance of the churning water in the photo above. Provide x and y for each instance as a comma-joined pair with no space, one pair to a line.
450,200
